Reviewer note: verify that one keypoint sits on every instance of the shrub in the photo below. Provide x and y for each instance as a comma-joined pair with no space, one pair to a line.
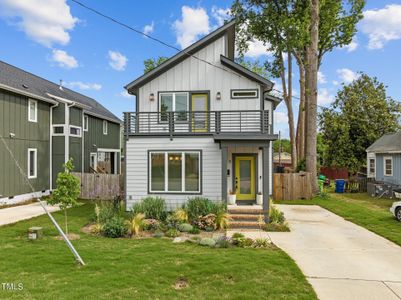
237,235
105,212
172,232
261,243
152,207
245,243
97,229
158,234
181,215
207,222
222,220
207,242
276,227
114,227
172,221
151,224
195,230
135,224
185,227
199,206
276,216
223,242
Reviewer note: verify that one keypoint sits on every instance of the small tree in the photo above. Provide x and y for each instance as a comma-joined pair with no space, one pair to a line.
67,191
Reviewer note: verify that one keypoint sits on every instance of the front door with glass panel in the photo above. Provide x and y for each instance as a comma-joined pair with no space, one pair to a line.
245,177
200,112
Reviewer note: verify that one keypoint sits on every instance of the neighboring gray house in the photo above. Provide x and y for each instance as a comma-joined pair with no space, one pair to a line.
44,125
200,129
384,159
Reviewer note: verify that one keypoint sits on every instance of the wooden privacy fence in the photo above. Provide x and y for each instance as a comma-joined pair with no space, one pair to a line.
100,186
292,186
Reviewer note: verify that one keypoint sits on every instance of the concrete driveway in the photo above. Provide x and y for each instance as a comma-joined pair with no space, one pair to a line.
340,259
23,212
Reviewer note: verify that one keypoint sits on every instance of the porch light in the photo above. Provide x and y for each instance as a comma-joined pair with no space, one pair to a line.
218,96
151,97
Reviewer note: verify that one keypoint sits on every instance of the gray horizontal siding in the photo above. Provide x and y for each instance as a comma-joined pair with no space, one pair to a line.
137,167
396,178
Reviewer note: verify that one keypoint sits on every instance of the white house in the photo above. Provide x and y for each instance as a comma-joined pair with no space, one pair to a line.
203,126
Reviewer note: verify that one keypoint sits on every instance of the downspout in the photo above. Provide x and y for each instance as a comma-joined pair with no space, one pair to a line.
51,147
83,142
67,134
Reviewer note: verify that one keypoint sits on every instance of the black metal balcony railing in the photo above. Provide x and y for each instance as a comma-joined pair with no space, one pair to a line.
199,122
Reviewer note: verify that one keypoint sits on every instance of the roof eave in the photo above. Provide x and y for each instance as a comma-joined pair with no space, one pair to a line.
28,94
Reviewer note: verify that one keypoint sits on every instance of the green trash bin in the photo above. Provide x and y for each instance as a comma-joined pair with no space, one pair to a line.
321,180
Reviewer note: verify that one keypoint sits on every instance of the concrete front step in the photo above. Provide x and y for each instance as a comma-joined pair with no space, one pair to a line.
244,225
244,211
244,217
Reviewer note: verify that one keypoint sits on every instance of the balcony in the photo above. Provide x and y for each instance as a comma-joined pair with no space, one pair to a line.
197,123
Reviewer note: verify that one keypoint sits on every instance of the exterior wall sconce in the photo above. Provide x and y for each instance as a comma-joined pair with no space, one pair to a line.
151,97
218,96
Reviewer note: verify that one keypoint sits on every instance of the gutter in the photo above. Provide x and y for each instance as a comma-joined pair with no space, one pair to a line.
51,147
25,93
69,102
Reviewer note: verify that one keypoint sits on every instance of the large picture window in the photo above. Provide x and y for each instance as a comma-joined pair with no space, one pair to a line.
174,171
173,102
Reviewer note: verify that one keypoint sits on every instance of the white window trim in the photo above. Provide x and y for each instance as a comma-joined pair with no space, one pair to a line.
183,191
75,135
86,123
105,127
245,91
34,118
58,134
35,165
90,159
372,174
173,94
384,165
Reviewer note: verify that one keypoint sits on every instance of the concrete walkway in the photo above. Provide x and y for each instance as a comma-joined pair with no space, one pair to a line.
340,259
23,212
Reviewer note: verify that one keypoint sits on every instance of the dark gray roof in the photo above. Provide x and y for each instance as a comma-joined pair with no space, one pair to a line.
25,82
387,143
228,28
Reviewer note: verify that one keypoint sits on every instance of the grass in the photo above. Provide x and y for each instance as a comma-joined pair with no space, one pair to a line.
361,209
140,269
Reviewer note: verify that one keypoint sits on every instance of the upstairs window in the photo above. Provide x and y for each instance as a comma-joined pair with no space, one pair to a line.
58,130
174,102
32,163
388,165
105,125
86,123
75,131
241,94
32,110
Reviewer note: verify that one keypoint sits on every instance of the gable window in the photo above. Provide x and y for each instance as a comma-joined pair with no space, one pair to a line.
32,162
173,102
372,167
105,125
58,130
86,123
240,94
32,110
174,171
388,165
75,131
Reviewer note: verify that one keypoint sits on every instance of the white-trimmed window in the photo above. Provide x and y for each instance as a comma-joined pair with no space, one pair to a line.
93,160
244,93
174,102
86,123
105,125
372,167
174,171
388,165
75,131
32,110
32,162
58,129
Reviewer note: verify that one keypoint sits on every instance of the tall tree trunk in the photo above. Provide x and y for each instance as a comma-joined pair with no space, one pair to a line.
300,135
311,117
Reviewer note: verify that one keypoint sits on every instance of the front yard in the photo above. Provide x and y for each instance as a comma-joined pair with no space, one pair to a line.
361,209
139,269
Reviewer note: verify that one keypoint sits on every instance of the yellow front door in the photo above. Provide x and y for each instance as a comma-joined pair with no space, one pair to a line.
245,177
200,112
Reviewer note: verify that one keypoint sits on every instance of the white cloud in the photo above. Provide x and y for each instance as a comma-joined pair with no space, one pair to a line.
125,94
148,29
83,85
347,75
220,15
117,61
280,117
324,97
44,21
382,25
63,59
194,23
335,82
321,78
256,49
351,46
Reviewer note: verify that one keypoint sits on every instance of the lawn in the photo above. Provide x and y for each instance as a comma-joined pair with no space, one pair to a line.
361,209
140,269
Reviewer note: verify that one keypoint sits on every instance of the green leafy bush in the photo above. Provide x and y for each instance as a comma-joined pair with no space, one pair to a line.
172,232
261,243
199,206
172,221
276,216
195,230
276,227
207,222
207,242
152,207
151,224
237,235
114,227
185,227
223,242
245,243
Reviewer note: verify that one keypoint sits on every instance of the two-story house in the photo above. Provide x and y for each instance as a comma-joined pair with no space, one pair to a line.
44,124
203,126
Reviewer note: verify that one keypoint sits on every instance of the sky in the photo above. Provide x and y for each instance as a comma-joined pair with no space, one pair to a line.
60,40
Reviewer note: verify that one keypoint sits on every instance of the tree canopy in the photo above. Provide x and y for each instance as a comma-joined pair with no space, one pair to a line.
151,63
360,114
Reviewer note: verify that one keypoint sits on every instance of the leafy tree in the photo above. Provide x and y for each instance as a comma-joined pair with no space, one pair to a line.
67,191
285,146
360,114
151,63
255,66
